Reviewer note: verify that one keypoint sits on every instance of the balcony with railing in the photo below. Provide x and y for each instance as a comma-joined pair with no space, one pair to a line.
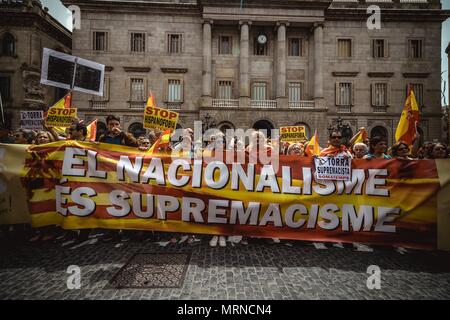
264,104
225,103
379,109
99,105
304,104
173,105
137,105
344,109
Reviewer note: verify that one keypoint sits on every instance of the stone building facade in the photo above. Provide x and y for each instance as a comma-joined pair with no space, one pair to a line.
25,29
265,63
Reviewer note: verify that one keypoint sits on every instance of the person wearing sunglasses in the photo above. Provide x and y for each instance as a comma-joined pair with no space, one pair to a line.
23,137
336,148
401,151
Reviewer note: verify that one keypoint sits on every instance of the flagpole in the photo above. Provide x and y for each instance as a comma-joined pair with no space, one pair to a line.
74,76
1,106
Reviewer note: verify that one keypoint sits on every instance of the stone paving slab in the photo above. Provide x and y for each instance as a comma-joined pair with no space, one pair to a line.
257,271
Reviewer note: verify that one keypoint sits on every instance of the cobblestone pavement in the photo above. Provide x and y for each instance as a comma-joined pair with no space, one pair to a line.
290,270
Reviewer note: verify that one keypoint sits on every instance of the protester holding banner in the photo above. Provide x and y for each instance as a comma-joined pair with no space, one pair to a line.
360,150
78,132
43,137
115,135
23,137
400,151
438,151
296,149
144,144
336,148
378,148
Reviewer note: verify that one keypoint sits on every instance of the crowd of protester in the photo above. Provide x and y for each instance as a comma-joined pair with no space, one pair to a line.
373,148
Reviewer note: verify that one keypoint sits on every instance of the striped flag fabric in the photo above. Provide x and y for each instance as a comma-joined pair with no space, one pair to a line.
313,148
409,120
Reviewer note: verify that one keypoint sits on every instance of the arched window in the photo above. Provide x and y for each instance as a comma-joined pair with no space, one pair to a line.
264,126
224,126
8,45
137,130
379,131
101,129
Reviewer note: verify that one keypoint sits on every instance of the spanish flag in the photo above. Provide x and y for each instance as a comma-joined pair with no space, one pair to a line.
65,102
409,120
92,130
362,137
163,141
313,148
151,101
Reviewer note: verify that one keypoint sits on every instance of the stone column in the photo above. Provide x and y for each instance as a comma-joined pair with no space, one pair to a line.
244,66
281,64
207,65
318,63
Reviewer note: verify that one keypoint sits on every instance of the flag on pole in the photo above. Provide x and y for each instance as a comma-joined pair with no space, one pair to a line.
362,136
313,148
1,106
409,120
92,130
65,102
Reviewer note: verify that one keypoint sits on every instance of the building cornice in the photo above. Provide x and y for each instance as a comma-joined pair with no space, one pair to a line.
422,15
133,6
32,20
380,74
137,69
290,4
174,70
345,73
416,74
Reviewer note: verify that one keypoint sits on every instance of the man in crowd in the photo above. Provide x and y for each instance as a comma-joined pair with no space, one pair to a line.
336,148
115,135
78,132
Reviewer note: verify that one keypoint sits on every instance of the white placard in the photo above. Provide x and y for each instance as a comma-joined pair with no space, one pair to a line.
58,71
333,168
31,120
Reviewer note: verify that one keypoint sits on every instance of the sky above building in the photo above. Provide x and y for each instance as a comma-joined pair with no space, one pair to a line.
60,12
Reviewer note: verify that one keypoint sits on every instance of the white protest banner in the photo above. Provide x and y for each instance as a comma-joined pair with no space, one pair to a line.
72,73
31,120
331,168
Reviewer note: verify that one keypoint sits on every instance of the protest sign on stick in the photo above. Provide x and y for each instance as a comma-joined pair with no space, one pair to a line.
31,120
72,73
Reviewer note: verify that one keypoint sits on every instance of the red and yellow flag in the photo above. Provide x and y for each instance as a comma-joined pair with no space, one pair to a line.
362,136
163,141
313,148
409,120
92,130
